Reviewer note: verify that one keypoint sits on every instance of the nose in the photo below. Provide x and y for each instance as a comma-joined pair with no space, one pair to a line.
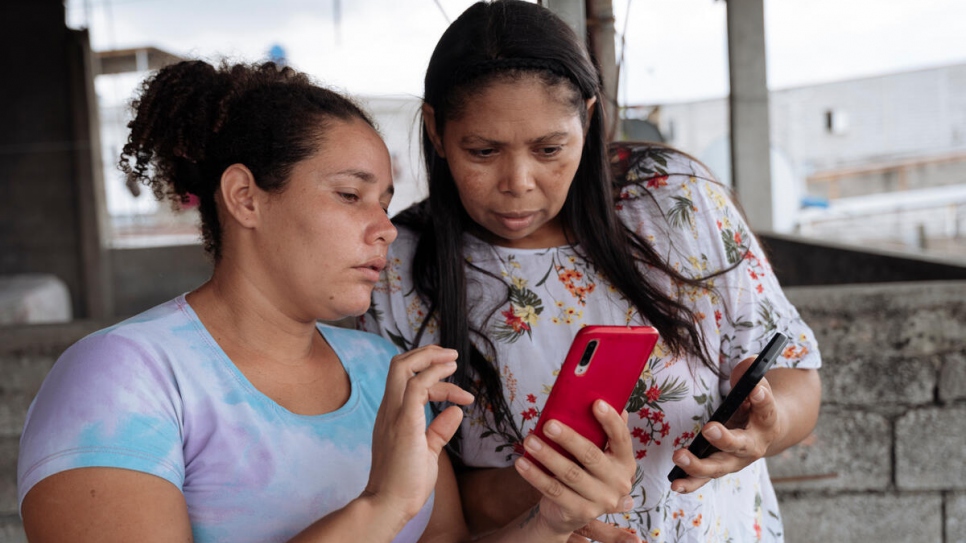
381,230
517,177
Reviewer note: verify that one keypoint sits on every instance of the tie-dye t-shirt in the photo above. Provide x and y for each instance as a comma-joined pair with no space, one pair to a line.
156,394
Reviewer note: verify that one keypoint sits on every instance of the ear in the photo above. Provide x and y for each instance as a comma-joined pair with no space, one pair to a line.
429,123
238,191
591,104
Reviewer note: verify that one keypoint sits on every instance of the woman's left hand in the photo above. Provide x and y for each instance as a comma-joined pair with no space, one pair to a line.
579,493
780,411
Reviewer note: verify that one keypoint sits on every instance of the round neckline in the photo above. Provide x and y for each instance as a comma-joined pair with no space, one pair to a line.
476,241
253,391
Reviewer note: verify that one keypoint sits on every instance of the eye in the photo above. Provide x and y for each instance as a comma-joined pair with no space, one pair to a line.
349,197
549,151
482,153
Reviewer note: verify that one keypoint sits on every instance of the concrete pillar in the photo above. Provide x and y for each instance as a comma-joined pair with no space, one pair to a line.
750,159
573,12
47,214
600,37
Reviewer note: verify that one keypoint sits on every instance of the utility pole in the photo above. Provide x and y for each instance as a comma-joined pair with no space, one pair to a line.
600,39
750,139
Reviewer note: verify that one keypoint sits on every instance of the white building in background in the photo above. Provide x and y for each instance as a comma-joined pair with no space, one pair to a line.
901,137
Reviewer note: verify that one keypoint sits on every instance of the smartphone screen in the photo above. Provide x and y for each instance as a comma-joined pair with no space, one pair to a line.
762,363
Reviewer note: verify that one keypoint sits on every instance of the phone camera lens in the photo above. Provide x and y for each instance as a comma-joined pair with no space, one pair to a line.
588,353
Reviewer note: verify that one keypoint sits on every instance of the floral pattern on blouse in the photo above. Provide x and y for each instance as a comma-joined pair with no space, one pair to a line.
532,302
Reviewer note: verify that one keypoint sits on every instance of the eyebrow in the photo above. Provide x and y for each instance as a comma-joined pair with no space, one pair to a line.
542,139
365,177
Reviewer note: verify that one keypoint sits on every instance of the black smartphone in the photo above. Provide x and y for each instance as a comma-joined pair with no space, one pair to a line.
763,362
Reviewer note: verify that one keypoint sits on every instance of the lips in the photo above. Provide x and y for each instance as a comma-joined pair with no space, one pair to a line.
516,221
372,268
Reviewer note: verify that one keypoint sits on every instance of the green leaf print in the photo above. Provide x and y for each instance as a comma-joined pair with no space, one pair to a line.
525,308
399,341
734,249
680,213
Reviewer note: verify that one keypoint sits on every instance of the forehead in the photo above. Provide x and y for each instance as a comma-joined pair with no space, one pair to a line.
518,102
351,145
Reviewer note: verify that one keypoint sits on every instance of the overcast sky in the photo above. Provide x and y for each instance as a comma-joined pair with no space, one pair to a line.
675,49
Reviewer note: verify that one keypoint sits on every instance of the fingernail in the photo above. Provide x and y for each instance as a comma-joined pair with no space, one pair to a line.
759,394
683,461
533,444
627,504
713,433
601,406
552,428
678,488
523,463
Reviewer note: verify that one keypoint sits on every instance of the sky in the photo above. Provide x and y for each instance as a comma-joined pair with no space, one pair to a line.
673,50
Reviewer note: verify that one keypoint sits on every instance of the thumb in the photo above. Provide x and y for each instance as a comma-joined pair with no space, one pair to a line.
441,430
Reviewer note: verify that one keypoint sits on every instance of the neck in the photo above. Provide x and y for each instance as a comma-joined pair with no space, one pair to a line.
247,321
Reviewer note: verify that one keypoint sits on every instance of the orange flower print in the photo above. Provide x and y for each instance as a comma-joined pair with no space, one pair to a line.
696,521
795,353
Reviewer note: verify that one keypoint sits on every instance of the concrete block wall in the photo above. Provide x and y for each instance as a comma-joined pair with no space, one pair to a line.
886,463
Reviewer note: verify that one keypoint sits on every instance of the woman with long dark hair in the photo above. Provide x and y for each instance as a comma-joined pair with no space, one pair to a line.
533,228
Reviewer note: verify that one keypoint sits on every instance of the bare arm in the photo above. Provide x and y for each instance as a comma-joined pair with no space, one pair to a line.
117,505
783,410
105,505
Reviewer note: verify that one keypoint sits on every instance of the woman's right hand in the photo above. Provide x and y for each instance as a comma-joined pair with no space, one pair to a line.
405,452
599,484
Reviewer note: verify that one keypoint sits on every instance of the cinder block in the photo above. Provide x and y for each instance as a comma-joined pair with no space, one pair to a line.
929,449
956,518
873,379
915,319
931,330
952,378
861,518
11,530
24,372
9,449
848,450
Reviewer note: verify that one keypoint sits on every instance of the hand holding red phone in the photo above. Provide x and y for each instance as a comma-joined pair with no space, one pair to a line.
580,481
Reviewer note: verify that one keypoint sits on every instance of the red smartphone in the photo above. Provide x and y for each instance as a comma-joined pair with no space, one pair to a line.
604,362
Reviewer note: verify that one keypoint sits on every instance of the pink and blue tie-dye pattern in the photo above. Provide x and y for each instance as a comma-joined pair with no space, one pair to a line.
156,394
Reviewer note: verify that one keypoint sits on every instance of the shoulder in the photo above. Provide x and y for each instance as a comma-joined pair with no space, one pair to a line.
674,201
154,337
664,176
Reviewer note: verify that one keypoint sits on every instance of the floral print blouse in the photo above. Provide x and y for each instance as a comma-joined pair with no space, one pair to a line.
673,203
